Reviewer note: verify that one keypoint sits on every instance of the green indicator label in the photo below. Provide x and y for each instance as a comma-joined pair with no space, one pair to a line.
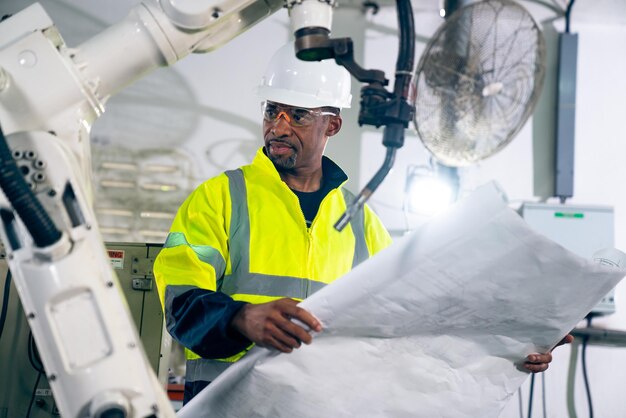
569,215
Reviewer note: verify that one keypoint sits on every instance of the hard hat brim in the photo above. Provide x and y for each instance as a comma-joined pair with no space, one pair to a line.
293,98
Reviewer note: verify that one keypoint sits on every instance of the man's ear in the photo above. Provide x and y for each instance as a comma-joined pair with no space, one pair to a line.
334,125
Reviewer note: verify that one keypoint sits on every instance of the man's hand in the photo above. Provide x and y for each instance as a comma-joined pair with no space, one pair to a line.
269,324
536,363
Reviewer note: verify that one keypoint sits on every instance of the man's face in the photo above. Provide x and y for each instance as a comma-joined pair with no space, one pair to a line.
294,137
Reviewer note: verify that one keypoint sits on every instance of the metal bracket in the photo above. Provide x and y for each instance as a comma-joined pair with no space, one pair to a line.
143,284
142,267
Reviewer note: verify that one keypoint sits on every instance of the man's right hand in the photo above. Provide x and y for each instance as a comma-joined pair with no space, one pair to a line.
269,324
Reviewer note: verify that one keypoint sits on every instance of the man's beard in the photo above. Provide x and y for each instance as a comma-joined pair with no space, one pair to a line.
284,163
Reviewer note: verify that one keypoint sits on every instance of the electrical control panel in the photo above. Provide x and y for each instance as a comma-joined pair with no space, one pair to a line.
581,229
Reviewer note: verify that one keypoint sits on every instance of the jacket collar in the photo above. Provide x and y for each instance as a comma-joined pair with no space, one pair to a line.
334,176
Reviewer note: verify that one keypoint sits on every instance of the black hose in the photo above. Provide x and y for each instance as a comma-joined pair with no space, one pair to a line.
406,52
543,395
365,194
382,172
24,202
568,13
393,136
584,361
394,131
530,396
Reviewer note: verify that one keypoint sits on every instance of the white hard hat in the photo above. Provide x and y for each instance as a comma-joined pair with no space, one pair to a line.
294,82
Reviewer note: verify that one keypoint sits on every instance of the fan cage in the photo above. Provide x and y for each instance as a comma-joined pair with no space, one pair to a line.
478,81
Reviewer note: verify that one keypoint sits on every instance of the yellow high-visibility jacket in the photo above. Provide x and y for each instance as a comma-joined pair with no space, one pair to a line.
243,234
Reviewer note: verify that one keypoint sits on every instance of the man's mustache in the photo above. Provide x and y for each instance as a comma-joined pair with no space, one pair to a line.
281,141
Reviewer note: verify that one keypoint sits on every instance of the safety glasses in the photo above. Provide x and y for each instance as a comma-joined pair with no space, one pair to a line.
296,116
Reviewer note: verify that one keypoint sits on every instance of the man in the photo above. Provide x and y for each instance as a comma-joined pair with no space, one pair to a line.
248,244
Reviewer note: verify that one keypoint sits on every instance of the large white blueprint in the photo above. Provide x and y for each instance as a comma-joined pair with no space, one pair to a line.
431,327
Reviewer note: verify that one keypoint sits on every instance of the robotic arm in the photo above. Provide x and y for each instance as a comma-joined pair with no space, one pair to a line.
50,95
48,86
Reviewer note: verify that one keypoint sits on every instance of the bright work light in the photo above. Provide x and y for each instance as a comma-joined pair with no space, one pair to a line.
428,190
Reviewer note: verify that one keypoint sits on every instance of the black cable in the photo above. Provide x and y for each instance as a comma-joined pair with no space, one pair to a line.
371,186
23,200
32,398
5,301
406,50
543,394
530,395
568,13
33,354
33,358
585,378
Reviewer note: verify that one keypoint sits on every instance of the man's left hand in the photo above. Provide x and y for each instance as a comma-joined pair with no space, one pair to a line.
536,362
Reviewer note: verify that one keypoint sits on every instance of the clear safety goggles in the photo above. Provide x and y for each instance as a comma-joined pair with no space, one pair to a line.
296,116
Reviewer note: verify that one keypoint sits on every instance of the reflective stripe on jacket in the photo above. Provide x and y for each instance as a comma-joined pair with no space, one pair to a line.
243,233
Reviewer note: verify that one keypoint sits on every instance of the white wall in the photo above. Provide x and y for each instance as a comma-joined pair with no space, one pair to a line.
202,116
521,170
